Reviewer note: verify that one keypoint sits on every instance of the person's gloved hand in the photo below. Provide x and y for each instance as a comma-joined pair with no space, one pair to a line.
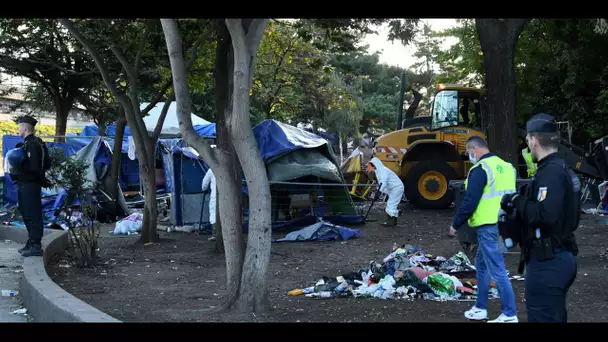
506,203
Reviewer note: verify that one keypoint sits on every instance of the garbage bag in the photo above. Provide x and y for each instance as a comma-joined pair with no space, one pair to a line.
351,277
441,283
411,279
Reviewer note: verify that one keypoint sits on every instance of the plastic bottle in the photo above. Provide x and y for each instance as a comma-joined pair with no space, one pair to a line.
325,294
295,292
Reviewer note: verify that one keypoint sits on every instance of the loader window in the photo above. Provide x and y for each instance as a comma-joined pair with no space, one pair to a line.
445,109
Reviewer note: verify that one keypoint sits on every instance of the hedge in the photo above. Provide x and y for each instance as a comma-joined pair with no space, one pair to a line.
11,128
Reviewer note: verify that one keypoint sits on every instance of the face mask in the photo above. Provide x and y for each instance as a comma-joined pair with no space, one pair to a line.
472,158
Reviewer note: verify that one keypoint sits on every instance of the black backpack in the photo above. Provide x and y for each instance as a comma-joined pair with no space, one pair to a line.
46,164
46,159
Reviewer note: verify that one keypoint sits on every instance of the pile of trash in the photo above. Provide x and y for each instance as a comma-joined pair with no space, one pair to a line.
130,225
407,273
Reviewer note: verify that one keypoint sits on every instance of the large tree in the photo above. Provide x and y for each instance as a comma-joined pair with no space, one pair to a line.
498,40
42,51
251,292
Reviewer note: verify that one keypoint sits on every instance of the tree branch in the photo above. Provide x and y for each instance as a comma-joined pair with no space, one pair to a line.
168,83
125,64
157,98
142,45
180,86
103,69
163,114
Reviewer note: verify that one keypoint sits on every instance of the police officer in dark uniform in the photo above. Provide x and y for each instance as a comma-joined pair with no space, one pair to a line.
549,210
30,180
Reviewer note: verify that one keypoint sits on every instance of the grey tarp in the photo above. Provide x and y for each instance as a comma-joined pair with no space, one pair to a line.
300,163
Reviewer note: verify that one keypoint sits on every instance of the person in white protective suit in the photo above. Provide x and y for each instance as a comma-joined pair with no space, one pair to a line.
391,185
209,184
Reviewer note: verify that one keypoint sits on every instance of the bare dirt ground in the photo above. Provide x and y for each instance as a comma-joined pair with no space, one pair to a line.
180,278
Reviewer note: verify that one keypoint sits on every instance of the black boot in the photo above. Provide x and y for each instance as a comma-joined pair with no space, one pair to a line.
390,221
34,250
27,246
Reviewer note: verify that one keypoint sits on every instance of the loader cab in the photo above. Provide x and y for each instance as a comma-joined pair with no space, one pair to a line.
456,105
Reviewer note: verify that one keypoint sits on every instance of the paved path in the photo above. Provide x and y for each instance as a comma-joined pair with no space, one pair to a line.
11,271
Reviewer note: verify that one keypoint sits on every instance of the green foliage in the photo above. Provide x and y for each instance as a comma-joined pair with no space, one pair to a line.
303,67
69,173
378,88
462,62
560,67
343,35
42,51
343,107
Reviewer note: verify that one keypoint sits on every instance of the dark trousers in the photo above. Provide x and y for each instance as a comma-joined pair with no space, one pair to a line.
29,200
547,284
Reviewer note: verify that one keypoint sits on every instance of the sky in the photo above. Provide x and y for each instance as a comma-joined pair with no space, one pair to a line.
395,53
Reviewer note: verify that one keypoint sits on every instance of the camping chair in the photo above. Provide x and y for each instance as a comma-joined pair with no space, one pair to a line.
361,192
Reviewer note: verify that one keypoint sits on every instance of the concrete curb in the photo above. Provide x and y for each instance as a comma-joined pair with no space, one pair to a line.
46,301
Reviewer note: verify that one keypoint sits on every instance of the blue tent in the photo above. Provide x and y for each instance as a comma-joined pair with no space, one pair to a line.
290,154
96,153
129,169
9,142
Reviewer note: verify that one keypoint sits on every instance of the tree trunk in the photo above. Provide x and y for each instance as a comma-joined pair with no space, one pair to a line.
253,295
148,179
121,123
102,129
145,147
223,95
62,108
230,213
498,40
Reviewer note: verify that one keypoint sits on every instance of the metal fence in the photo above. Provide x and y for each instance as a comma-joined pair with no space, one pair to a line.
291,200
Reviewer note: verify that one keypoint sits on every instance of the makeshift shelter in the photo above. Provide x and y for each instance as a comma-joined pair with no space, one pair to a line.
293,158
184,172
129,168
96,153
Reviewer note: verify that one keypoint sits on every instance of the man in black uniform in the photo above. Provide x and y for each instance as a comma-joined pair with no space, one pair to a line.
29,182
549,209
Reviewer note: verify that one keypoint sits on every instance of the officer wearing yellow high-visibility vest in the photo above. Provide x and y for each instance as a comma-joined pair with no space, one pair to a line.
488,181
530,164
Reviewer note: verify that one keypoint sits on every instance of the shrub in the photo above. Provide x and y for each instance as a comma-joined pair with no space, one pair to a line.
70,174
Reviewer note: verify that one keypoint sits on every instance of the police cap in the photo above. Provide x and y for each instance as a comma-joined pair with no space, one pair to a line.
27,119
542,123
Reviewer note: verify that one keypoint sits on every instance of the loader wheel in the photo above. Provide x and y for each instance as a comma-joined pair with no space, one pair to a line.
427,185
